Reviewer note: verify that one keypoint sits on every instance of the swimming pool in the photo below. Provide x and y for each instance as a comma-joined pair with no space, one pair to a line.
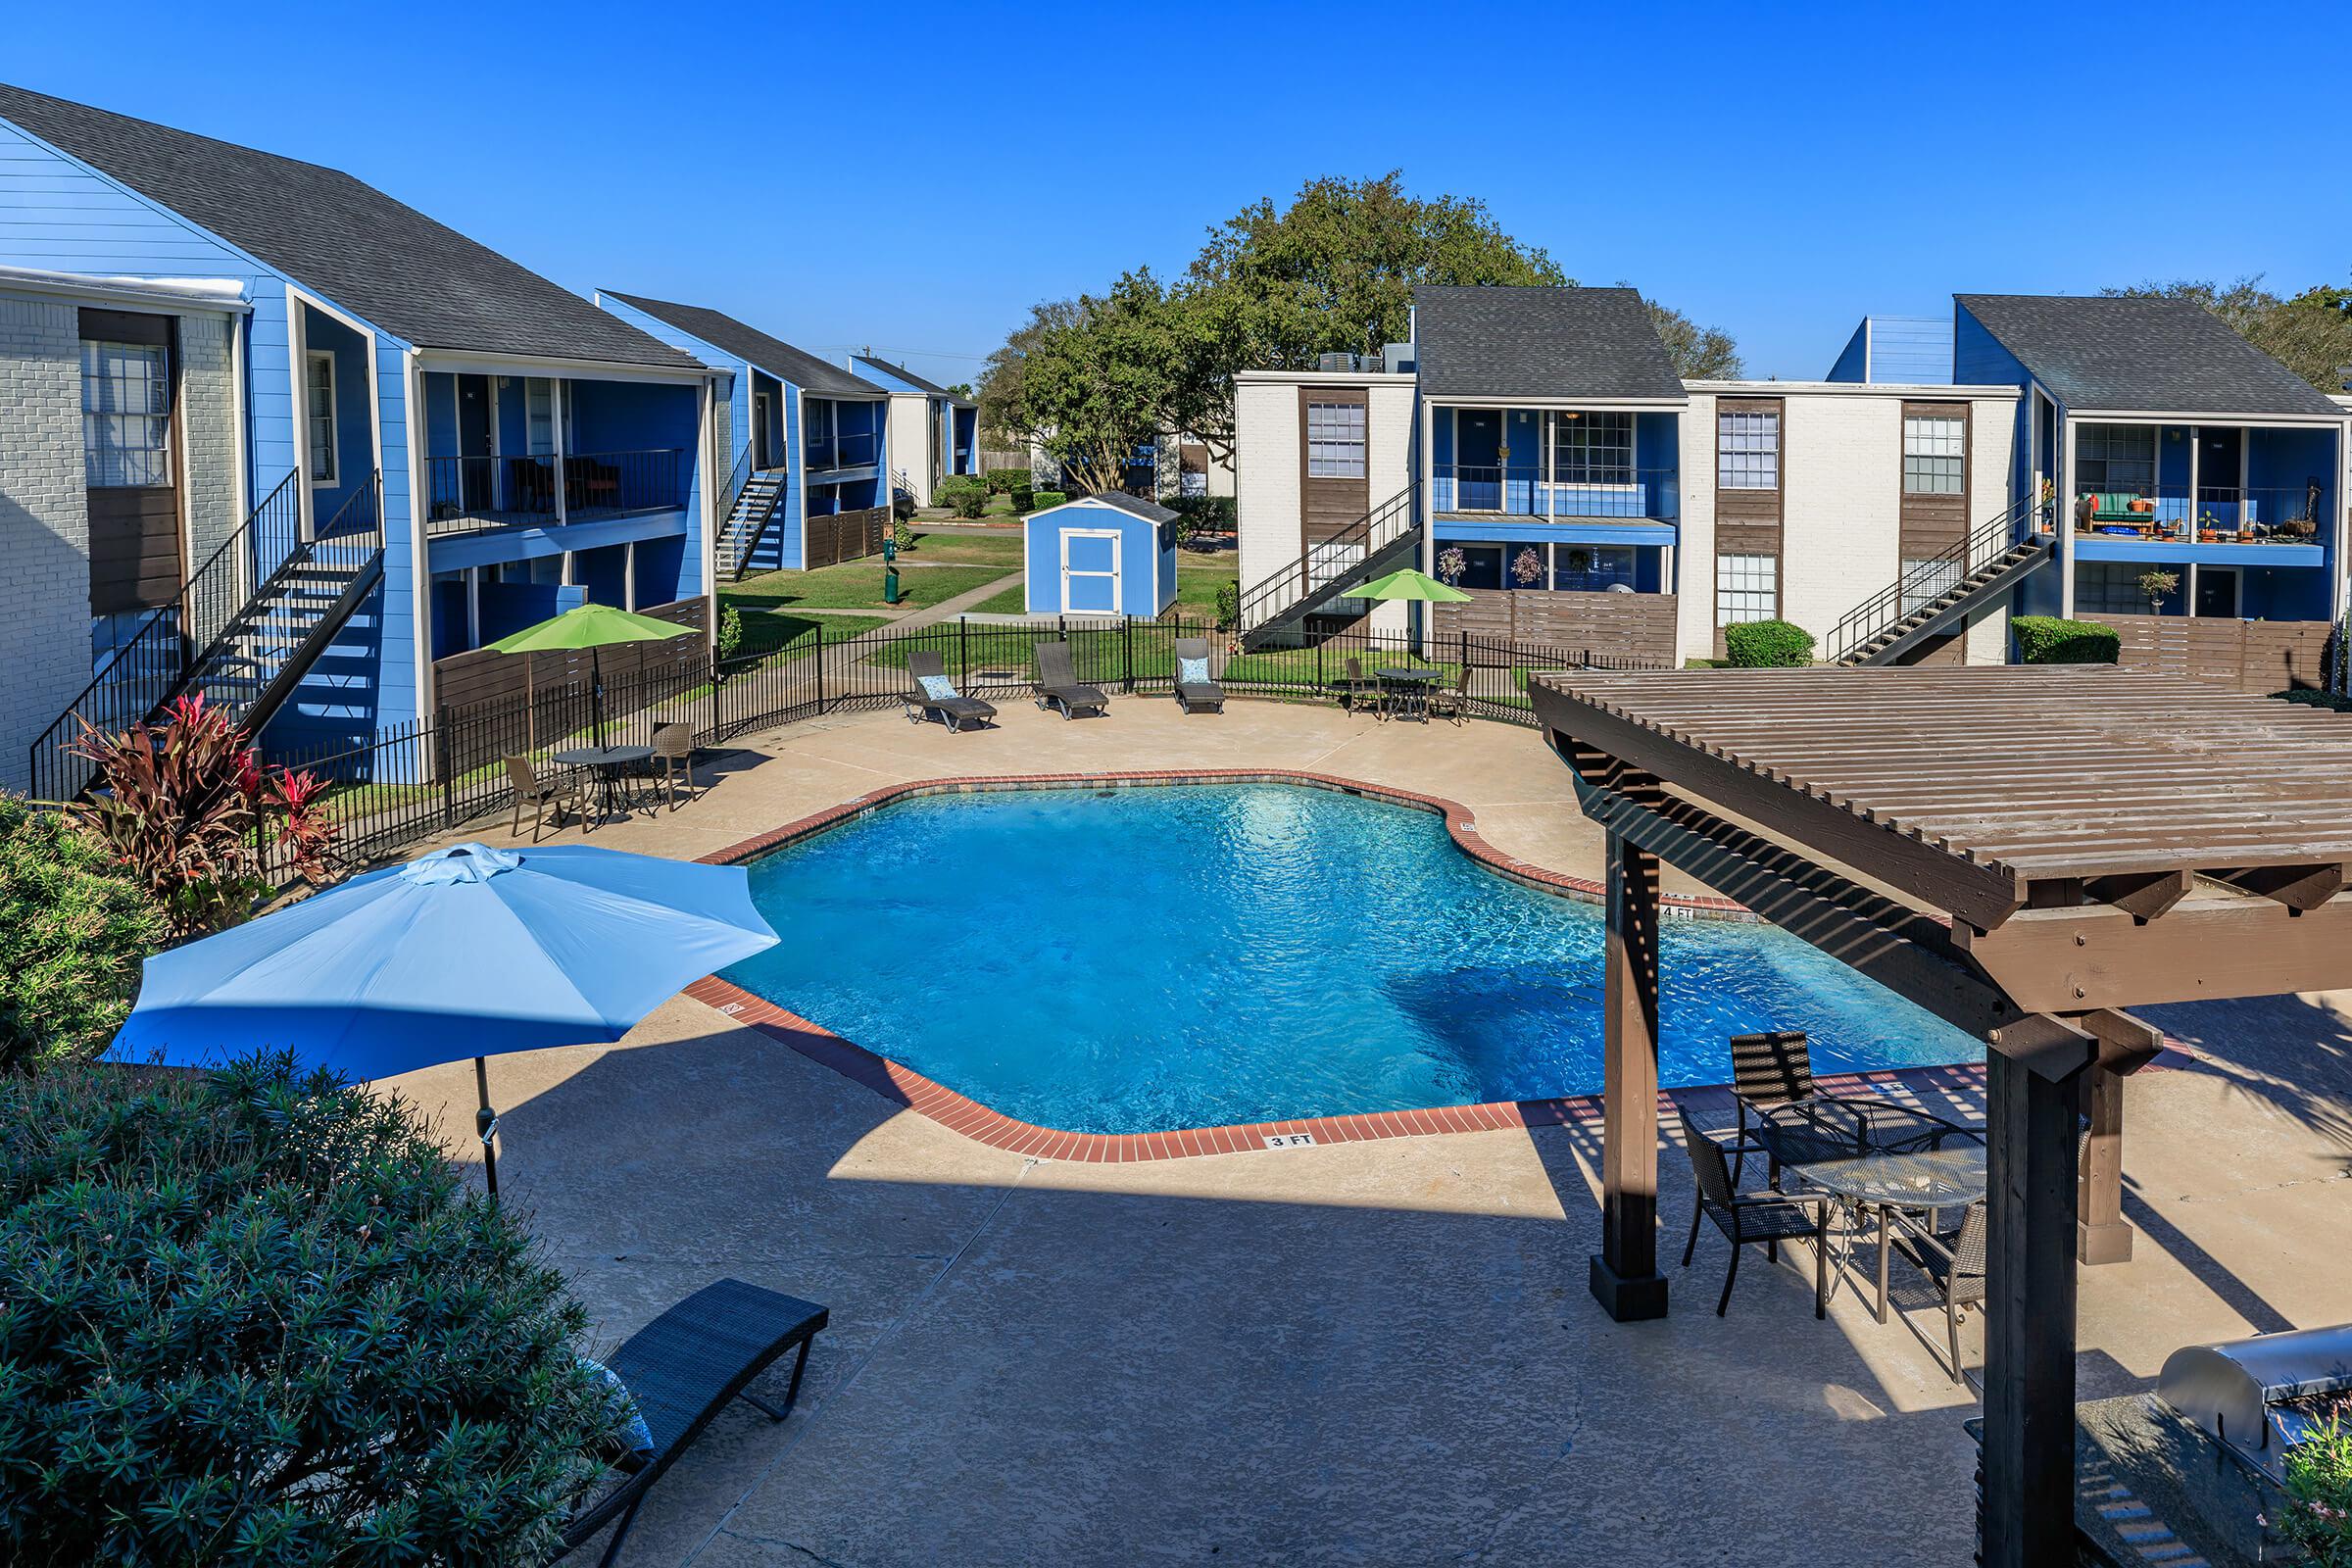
1146,958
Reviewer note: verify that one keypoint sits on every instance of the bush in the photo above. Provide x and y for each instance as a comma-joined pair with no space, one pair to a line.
271,1328
2048,640
730,630
1050,498
1768,644
1024,500
73,930
1005,482
964,493
2319,1489
1204,514
1229,605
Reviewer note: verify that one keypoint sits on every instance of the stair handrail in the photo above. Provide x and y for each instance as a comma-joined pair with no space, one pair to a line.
357,522
159,656
1986,543
1359,540
736,480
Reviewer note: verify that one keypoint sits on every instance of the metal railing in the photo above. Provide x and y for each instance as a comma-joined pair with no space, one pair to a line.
1327,561
1525,490
737,477
466,495
859,450
1923,582
2212,514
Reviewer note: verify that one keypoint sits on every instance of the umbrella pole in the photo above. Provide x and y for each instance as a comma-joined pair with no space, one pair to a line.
486,1123
596,693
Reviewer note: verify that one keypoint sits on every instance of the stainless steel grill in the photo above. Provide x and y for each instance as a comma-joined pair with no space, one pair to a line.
2260,1396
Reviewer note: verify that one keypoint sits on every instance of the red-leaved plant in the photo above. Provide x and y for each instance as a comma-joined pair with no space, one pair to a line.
182,804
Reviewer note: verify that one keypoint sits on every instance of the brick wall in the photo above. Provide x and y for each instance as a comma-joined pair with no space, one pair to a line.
44,524
208,420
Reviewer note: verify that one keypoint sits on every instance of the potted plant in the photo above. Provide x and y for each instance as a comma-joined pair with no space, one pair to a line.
2158,585
2208,529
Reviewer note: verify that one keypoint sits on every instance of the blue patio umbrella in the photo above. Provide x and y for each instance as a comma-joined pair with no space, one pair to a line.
465,951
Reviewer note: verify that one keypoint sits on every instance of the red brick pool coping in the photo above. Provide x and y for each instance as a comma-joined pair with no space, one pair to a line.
959,1114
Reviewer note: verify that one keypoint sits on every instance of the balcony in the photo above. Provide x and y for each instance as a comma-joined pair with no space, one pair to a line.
473,495
856,450
1487,490
2288,524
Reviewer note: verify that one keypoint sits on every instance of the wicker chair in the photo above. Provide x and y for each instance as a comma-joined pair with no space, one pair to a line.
1353,688
546,797
1953,1262
1451,701
672,759
1745,1218
1775,1068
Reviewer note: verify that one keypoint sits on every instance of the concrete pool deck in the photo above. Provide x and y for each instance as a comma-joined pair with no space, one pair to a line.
1369,1352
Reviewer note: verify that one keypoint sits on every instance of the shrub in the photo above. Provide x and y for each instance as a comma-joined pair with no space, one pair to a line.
1005,482
73,930
730,631
273,1329
901,534
1050,498
1200,515
1229,605
1024,500
181,806
964,493
1768,644
2050,640
2319,1490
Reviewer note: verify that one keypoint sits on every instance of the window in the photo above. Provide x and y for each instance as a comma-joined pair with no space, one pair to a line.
319,389
1746,588
1591,568
1593,449
1926,581
2116,457
1747,451
1934,446
1335,441
2112,587
126,414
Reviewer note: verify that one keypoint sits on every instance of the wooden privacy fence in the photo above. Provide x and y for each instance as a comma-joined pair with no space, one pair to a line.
1624,627
544,689
2255,657
845,536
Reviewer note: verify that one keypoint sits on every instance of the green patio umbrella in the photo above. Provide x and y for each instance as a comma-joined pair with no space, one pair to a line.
589,627
1412,585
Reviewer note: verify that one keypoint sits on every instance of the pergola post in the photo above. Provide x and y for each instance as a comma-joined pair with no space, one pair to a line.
1625,1276
2028,1516
2101,1234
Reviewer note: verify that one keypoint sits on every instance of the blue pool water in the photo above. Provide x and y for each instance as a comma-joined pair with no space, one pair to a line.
1138,959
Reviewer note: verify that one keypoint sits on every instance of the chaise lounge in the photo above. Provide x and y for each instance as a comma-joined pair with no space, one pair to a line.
1058,685
681,1369
935,697
1195,690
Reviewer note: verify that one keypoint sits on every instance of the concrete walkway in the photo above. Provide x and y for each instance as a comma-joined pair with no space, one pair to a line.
1365,1353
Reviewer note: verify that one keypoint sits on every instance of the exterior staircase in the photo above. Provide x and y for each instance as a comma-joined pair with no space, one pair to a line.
244,653
1380,541
749,519
1931,597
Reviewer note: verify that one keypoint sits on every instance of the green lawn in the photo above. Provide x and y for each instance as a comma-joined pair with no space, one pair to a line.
1013,601
1197,578
856,585
767,631
992,550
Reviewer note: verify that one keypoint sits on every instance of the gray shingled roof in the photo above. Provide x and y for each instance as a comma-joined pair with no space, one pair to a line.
1539,342
773,355
913,380
349,241
2129,354
1135,506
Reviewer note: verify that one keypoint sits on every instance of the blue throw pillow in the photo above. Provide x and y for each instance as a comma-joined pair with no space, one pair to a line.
635,1438
1191,672
936,687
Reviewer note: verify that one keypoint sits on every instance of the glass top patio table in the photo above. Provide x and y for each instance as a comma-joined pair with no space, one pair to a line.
1923,1178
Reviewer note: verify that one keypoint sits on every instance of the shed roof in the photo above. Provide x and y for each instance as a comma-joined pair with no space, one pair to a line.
773,355
413,277
1587,344
1133,506
933,388
2138,354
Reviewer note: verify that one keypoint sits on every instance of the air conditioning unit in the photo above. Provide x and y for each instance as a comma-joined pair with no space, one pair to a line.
1342,362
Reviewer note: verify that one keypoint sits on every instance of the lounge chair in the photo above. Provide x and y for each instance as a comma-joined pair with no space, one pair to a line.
548,797
1745,1218
681,1369
935,696
1195,690
1058,685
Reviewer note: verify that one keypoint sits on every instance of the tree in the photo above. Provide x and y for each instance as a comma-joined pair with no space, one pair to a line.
73,930
961,389
1002,410
2311,334
1700,352
1091,383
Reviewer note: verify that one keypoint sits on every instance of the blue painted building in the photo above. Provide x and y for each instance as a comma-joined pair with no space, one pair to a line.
801,439
457,441
1905,350
934,433
1104,554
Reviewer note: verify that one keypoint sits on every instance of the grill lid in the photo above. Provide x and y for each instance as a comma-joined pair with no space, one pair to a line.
2259,1396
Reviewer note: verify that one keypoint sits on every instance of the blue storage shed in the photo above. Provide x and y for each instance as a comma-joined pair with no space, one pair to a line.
1107,554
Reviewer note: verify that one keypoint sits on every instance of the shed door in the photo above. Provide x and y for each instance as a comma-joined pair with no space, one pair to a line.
1089,570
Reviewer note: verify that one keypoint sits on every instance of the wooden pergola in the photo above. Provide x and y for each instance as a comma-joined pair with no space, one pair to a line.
2025,852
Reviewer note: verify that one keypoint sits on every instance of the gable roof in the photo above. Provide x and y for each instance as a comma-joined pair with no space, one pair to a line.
2133,354
1133,506
913,380
387,261
1539,342
773,355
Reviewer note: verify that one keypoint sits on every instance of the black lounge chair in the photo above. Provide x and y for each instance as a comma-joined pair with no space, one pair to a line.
681,1369
954,709
1058,685
1194,695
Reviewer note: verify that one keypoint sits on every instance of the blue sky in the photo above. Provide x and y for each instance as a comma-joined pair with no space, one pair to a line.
913,177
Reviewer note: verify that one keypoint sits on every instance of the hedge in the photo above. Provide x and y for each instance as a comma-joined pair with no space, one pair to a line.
1050,498
1768,644
1005,482
2050,640
961,492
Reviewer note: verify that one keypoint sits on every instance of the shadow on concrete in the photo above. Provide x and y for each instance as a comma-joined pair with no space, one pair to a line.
2286,1053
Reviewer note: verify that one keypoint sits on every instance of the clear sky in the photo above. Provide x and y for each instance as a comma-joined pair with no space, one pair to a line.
913,176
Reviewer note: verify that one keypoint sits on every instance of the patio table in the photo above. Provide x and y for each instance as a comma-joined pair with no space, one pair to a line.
1413,687
608,764
1891,1179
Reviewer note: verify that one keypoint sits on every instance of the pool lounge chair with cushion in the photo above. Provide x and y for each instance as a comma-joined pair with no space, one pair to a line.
1058,685
935,696
681,1369
1194,688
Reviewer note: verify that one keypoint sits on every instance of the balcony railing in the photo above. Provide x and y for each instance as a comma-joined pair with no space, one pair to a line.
1527,491
2227,514
858,450
466,495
